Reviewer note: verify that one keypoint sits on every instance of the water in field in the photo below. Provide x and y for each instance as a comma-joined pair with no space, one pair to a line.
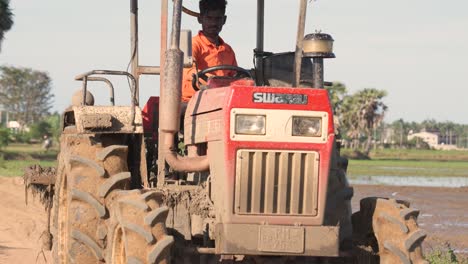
411,181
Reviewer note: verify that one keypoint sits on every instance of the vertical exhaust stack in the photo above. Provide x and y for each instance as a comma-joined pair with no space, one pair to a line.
171,93
134,47
318,46
299,43
171,89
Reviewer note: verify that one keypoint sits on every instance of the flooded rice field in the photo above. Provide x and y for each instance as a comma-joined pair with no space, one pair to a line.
412,181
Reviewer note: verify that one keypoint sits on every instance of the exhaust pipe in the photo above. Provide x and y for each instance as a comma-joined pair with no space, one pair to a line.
171,100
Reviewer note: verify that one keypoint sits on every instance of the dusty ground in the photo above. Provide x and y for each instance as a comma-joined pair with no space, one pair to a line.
444,215
20,225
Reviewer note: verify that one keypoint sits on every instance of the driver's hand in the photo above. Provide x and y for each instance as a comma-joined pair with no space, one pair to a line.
209,75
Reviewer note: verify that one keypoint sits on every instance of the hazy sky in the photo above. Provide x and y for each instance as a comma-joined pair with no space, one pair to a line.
416,50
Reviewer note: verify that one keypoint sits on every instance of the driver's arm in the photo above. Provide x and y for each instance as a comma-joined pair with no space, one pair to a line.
204,57
187,89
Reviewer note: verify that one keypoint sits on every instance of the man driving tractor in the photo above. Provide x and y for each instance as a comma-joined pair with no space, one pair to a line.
261,180
208,48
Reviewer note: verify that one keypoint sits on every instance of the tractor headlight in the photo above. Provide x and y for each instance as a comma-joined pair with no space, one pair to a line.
250,124
303,126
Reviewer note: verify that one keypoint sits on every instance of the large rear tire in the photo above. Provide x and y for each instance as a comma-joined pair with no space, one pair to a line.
90,169
137,230
386,231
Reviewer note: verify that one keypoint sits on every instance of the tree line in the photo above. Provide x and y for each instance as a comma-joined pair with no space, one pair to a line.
449,133
25,94
359,121
357,115
26,97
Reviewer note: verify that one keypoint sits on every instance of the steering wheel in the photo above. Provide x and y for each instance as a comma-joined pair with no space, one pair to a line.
240,73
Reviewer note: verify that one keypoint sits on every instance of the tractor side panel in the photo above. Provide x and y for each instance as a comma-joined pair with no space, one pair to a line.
204,118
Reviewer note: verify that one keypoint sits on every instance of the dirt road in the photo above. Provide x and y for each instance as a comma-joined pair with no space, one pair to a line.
21,225
444,215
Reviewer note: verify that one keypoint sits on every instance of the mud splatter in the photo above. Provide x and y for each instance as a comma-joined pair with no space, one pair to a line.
196,200
38,188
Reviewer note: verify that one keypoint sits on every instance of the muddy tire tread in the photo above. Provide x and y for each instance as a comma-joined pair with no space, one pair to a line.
137,204
115,179
392,248
81,221
133,260
159,248
393,227
89,242
142,218
140,231
408,212
414,238
152,217
74,160
104,153
395,221
151,195
88,198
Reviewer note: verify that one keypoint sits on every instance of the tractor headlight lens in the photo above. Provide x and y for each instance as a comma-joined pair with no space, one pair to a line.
250,124
306,126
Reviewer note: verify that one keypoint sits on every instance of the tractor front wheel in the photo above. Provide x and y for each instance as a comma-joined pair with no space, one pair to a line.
386,231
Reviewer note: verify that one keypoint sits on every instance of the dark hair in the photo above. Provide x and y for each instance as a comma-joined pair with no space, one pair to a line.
208,5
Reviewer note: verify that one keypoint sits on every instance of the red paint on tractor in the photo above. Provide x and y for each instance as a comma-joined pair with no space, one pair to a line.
150,115
241,96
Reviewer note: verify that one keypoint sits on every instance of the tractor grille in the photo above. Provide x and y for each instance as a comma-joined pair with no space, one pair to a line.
276,182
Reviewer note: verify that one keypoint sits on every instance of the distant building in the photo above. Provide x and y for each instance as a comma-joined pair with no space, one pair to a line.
13,125
433,139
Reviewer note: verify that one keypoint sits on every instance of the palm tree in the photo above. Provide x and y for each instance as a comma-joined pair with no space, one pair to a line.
372,111
350,119
6,18
430,125
337,93
363,112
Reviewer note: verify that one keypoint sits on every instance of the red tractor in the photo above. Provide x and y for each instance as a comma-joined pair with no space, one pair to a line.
252,174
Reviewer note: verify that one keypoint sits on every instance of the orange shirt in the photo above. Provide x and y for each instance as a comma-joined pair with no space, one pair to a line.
206,54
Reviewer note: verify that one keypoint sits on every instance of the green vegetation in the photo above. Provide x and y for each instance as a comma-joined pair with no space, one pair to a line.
4,136
26,94
420,154
445,255
359,114
358,168
16,157
359,119
49,126
408,162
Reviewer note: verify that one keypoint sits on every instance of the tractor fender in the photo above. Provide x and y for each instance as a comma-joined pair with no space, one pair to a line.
107,119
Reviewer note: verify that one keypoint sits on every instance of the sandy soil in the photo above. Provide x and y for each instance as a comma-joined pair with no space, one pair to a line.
444,215
21,225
